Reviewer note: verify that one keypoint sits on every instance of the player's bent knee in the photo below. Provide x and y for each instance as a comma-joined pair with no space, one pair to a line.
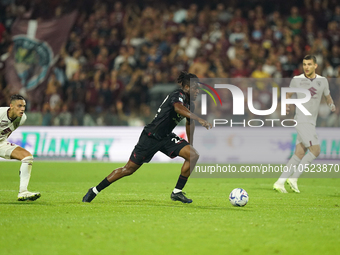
28,159
300,153
194,156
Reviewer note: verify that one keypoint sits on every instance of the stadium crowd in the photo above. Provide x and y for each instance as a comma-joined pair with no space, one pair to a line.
116,52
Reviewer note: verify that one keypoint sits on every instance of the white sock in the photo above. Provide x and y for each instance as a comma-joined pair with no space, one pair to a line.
94,189
177,190
294,161
307,159
25,172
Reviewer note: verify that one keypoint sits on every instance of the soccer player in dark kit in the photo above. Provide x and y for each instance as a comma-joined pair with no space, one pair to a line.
158,136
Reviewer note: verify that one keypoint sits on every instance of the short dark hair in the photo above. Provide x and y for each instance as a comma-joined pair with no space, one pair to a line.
17,97
309,57
184,78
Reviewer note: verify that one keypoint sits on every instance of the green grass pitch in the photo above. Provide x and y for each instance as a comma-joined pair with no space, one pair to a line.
136,215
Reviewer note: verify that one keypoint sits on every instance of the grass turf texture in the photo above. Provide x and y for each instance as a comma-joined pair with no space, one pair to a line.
136,216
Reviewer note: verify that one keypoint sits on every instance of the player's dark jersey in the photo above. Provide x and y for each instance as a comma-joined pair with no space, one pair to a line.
166,118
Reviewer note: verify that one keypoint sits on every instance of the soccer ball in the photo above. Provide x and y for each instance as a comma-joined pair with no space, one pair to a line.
238,197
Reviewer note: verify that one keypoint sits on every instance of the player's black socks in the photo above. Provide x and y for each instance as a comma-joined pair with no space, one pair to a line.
105,183
182,180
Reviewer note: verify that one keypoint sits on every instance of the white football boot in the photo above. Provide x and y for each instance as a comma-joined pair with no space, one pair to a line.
27,195
279,187
293,184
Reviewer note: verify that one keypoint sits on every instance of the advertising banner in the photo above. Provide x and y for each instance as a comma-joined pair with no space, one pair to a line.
240,145
113,144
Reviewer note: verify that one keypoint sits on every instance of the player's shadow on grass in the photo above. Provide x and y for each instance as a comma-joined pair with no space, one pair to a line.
269,188
25,203
153,203
221,208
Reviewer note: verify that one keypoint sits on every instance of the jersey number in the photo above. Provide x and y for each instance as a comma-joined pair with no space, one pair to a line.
179,140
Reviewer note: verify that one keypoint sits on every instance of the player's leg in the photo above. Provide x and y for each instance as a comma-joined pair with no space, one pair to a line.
25,173
313,153
174,146
116,174
299,154
310,141
142,153
291,166
190,156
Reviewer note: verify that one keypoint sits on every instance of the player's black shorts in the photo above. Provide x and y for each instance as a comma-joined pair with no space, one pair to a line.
147,147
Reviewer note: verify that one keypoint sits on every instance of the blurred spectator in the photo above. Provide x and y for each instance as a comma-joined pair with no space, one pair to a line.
237,34
269,67
334,57
47,115
124,56
59,72
333,33
237,20
200,67
258,73
295,20
328,70
180,15
2,31
239,69
53,92
289,66
64,118
189,45
223,14
336,15
72,63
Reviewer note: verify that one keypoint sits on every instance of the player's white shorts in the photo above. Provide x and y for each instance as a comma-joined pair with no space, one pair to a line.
6,149
306,134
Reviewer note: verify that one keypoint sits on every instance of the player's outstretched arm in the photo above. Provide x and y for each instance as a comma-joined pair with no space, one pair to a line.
330,103
182,110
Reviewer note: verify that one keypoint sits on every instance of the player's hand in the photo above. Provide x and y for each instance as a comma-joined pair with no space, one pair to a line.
332,107
205,123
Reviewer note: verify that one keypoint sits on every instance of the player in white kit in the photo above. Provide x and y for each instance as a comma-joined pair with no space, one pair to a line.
10,119
307,138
